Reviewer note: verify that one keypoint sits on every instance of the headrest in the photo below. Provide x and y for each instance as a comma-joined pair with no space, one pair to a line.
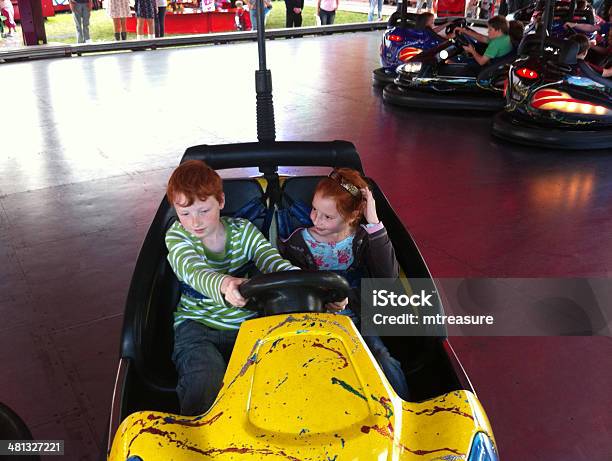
568,53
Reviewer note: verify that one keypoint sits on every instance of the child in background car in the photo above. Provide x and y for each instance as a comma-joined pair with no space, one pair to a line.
427,21
583,50
603,29
583,44
339,242
497,40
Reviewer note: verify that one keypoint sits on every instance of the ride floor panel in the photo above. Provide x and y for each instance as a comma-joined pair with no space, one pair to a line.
88,145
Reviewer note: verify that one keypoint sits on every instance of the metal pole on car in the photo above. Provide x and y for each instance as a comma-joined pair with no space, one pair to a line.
546,25
266,130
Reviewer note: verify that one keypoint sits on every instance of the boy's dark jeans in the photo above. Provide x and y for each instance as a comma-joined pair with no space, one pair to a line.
200,355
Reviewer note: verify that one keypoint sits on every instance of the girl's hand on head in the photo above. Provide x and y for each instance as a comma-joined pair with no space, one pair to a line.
229,289
370,211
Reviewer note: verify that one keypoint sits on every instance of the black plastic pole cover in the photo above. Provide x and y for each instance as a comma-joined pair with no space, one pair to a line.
266,129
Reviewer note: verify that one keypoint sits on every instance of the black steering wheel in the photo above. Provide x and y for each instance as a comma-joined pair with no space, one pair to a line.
461,22
294,291
461,40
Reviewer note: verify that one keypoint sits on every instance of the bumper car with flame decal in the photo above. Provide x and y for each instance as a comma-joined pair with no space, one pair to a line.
559,102
401,42
435,80
301,385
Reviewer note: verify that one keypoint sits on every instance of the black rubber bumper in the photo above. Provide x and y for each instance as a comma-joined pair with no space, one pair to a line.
382,77
505,126
408,97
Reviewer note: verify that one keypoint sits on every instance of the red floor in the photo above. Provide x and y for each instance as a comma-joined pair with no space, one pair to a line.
88,145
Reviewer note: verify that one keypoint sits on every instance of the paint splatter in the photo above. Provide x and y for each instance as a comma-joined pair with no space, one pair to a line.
348,387
342,441
386,404
170,439
193,422
250,361
338,353
308,317
436,409
388,433
282,381
274,344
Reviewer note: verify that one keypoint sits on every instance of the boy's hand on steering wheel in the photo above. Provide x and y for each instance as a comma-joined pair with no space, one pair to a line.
229,289
337,306
370,211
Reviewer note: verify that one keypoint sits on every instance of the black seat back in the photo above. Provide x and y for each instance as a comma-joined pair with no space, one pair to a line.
496,71
568,53
298,189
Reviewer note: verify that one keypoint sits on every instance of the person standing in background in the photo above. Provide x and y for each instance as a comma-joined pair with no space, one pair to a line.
119,10
294,13
81,11
241,18
428,3
374,4
146,10
326,10
160,18
253,11
471,10
6,10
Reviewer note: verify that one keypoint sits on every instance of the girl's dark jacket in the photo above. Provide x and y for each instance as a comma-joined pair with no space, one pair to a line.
373,257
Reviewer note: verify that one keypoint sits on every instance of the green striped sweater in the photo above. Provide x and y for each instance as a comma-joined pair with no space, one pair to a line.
203,270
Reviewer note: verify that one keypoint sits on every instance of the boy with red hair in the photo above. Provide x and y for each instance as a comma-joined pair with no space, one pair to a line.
206,251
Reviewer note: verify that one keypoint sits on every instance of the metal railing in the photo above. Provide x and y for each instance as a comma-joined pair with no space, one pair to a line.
67,50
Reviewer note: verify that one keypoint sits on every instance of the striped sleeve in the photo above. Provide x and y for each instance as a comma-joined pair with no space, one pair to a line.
190,268
262,253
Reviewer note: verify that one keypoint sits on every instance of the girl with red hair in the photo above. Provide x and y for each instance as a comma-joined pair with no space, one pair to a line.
340,241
